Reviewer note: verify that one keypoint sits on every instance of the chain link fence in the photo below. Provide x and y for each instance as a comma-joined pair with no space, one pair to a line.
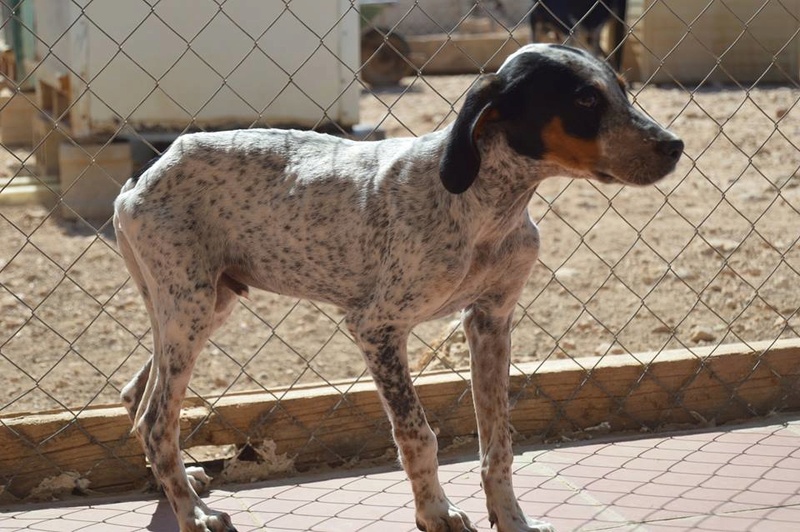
94,88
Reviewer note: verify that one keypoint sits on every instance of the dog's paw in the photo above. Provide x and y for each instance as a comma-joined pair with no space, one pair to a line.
198,478
443,517
516,521
209,521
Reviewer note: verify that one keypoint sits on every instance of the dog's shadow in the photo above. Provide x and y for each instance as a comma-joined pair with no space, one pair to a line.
86,227
163,519
399,88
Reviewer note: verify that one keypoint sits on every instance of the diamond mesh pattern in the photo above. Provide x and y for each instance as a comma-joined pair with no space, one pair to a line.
709,256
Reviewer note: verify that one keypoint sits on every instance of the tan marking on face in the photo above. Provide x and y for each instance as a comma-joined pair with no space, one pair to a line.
566,150
486,116
623,83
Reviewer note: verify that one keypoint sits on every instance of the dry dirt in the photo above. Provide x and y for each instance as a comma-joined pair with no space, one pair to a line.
709,255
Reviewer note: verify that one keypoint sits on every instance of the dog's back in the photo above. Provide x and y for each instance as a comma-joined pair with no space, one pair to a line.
282,210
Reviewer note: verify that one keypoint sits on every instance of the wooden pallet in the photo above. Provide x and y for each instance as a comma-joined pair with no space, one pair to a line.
17,110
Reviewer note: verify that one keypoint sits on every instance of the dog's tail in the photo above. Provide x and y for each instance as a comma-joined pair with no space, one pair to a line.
145,167
130,184
146,395
132,262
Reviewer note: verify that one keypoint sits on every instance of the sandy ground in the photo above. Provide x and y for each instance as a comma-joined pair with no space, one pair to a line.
709,255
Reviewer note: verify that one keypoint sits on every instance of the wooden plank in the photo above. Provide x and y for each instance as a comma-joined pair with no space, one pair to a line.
17,110
96,444
326,425
46,140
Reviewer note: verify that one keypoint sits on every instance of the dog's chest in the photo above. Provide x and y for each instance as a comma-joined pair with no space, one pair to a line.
490,269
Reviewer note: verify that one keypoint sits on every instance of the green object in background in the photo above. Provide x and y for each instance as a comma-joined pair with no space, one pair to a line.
23,41
370,9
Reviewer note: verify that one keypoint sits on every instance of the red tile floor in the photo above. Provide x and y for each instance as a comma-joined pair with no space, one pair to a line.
734,478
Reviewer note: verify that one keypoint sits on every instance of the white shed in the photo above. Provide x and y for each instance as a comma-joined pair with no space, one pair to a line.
104,64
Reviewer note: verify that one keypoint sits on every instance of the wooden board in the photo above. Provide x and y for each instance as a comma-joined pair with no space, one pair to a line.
332,424
17,110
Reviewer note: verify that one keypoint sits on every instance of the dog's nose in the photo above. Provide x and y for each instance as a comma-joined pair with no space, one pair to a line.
672,148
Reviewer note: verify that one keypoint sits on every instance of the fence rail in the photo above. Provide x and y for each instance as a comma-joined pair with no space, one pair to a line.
709,257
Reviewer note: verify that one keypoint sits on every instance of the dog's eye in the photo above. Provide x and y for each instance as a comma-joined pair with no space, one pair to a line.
587,99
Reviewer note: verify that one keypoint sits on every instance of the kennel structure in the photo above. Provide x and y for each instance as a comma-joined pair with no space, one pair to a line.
102,66
113,71
719,42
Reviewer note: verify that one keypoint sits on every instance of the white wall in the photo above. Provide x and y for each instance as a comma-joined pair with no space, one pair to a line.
438,16
190,62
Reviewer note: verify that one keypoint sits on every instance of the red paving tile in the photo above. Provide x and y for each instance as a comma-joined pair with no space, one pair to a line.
729,479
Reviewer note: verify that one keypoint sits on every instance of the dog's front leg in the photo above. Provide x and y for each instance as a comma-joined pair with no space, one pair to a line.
489,336
384,349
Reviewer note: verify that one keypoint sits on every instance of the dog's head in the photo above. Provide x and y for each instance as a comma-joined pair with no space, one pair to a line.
559,105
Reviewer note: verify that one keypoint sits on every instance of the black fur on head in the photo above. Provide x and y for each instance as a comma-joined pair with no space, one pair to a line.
524,96
561,105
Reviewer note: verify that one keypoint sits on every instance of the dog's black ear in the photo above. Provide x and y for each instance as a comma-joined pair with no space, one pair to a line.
461,160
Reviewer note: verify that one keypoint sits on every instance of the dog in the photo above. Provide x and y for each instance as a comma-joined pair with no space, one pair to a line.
585,19
394,232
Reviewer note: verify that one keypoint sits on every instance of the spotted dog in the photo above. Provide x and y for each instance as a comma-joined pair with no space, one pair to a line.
394,232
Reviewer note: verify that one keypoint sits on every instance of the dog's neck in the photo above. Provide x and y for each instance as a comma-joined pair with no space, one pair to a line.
505,184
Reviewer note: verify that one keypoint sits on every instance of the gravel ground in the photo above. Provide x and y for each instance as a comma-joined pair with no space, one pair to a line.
709,255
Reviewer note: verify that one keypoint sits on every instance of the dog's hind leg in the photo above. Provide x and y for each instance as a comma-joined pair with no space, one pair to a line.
186,323
132,393
186,301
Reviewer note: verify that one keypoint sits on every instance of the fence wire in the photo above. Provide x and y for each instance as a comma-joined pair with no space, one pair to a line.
709,256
